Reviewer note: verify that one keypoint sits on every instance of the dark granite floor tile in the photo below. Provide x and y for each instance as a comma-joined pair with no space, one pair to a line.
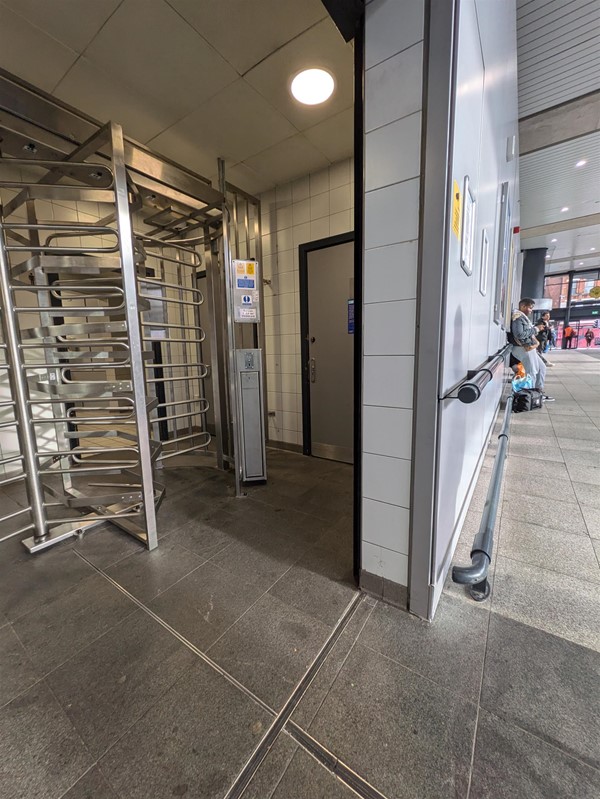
204,538
181,508
91,786
148,574
450,650
269,649
512,764
17,672
315,695
205,603
271,770
31,583
193,742
404,734
320,584
105,545
545,685
554,602
109,685
305,778
262,559
66,624
41,755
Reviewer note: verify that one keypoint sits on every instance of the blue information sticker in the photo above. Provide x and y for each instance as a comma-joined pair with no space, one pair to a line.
350,316
245,282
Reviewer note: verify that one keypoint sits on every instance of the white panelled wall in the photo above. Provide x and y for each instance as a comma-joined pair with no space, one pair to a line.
313,207
393,98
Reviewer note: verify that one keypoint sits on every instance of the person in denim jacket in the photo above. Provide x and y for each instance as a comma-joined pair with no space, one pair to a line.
525,343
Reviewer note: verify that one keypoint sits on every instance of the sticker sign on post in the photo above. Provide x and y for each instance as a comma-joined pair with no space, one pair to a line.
246,296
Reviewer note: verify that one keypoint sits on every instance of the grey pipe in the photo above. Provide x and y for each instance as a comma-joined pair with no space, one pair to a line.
475,575
470,389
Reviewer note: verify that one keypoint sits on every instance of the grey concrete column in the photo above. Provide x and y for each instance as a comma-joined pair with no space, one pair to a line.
534,269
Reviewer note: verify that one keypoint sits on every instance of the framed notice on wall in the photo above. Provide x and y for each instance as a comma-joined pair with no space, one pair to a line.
468,228
503,261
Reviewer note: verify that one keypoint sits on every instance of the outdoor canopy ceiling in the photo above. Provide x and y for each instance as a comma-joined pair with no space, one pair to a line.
194,80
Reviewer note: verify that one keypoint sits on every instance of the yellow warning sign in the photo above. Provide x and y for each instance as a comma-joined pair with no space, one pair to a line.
250,268
456,210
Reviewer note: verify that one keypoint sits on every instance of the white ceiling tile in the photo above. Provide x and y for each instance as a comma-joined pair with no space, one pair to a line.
287,160
321,46
147,45
247,31
236,123
31,54
65,20
190,153
245,178
111,100
334,137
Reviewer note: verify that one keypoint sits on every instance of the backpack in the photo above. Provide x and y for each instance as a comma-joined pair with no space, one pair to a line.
527,399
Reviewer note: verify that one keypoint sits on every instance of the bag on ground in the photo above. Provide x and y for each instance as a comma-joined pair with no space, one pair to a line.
527,399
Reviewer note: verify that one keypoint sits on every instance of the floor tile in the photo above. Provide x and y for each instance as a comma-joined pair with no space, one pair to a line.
512,764
548,600
66,624
519,464
543,511
17,672
449,651
534,486
584,458
305,778
109,685
179,509
204,538
575,429
587,494
320,584
148,574
545,685
315,695
263,559
592,520
541,450
404,734
106,545
550,549
269,649
581,473
33,582
91,786
577,445
204,604
192,742
41,755
270,771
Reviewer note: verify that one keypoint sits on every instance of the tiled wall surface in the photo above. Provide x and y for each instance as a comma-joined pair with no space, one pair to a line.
393,92
313,207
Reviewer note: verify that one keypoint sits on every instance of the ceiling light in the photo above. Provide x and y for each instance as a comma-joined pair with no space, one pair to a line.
592,249
580,263
564,208
312,86
583,162
552,241
547,256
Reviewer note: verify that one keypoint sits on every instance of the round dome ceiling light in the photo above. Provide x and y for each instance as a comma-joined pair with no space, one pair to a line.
312,86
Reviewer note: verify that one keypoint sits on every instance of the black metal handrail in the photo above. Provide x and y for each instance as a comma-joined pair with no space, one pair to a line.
470,388
475,575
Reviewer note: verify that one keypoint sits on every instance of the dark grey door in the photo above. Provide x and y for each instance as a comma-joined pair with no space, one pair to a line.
330,373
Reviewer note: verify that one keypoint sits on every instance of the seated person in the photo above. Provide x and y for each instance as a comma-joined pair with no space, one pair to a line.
523,337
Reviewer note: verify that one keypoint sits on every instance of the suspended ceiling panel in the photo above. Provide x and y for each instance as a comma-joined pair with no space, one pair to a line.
558,51
194,79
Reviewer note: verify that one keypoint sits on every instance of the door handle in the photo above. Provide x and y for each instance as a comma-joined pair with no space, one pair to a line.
313,370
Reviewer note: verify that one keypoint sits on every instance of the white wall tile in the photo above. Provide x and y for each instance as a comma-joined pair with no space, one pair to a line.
393,152
285,239
284,217
340,199
319,206
388,381
319,182
393,89
284,193
301,234
319,229
340,173
340,223
371,559
268,245
389,328
386,479
285,261
386,525
387,431
395,567
390,273
301,212
301,189
391,27
392,214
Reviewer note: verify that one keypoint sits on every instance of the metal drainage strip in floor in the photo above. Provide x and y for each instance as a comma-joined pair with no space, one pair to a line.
282,719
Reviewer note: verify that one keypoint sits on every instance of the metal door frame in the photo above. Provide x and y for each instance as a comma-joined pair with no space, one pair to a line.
304,250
